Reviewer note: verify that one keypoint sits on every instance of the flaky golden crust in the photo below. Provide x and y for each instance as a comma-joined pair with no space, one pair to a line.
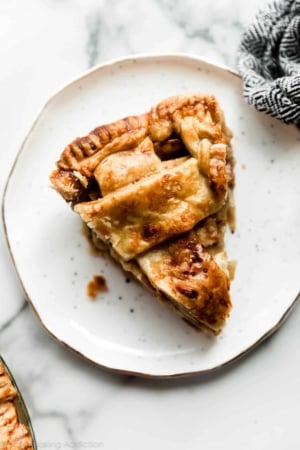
13,435
145,213
185,272
7,390
157,187
193,118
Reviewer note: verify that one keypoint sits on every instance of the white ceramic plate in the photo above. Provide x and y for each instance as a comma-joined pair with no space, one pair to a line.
125,328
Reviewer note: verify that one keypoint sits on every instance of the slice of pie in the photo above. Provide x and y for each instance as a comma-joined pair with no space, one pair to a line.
156,191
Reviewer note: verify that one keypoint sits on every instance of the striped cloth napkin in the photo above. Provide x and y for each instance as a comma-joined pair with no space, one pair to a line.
269,61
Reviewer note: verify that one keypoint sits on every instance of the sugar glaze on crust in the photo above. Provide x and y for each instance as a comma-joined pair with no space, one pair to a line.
156,191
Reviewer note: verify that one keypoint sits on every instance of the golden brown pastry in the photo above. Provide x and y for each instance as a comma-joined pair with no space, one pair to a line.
156,191
13,435
7,390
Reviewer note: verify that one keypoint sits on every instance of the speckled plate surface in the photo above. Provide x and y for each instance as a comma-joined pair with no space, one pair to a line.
125,329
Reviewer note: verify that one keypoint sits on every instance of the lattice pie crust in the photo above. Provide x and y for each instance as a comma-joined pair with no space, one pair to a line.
156,191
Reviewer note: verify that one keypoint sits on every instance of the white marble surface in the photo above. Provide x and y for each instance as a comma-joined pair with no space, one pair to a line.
253,404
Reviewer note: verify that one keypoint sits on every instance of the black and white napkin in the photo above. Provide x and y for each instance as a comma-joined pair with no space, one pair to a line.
269,61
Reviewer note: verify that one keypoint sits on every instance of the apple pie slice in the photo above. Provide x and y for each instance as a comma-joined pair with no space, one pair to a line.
156,191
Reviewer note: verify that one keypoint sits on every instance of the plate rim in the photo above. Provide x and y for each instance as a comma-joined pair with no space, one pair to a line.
57,92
